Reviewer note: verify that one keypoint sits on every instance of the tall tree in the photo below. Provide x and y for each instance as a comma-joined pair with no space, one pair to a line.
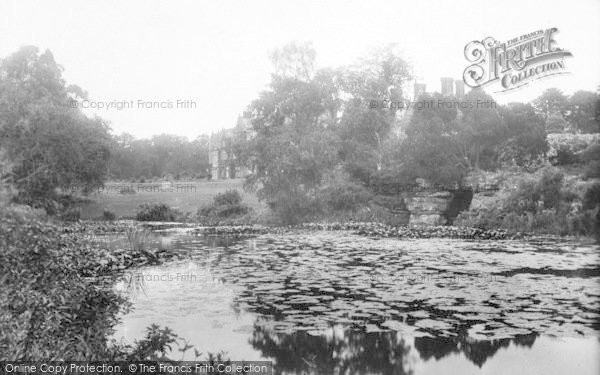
430,149
550,102
526,137
481,129
294,145
50,144
294,60
363,130
584,111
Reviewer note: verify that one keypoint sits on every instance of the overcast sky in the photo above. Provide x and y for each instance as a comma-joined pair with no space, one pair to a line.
216,52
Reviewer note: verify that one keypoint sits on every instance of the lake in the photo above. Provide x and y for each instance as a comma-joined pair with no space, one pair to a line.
328,302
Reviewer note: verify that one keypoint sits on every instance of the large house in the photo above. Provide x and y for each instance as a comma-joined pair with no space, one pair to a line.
222,159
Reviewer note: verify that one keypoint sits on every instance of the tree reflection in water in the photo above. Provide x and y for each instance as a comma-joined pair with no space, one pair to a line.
341,351
476,351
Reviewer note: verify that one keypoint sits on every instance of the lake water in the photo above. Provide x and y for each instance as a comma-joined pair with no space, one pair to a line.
335,302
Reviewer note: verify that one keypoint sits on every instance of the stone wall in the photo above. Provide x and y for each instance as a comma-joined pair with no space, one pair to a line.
419,208
428,208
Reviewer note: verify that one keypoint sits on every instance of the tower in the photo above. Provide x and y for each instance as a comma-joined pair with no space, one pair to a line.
447,86
460,88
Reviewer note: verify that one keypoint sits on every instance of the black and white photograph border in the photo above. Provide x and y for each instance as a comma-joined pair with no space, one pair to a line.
299,187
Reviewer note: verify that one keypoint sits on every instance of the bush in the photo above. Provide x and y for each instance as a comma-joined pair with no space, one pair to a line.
591,156
342,194
224,205
564,156
571,144
592,169
549,188
550,222
584,223
70,214
51,308
591,199
294,207
47,309
229,197
108,215
155,212
529,194
524,199
543,207
592,153
483,218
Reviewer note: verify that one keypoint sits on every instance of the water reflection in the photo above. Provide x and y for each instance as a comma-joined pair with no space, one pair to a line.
337,351
343,351
476,351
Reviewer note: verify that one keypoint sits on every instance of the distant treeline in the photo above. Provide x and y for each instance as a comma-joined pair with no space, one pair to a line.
162,156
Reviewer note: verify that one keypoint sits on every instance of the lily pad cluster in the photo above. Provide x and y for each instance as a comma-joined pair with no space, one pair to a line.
382,230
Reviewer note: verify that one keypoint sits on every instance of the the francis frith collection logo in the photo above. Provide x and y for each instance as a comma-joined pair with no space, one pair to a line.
515,63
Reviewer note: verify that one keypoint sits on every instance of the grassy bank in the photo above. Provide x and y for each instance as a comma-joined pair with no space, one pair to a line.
184,196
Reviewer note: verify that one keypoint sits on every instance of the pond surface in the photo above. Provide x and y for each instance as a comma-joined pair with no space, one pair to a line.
336,302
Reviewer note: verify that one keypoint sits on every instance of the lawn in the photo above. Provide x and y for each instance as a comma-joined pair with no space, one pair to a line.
186,196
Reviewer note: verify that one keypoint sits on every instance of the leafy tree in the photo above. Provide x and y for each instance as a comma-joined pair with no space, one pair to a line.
584,111
364,130
50,144
591,199
525,132
551,101
294,60
294,145
430,148
480,130
555,123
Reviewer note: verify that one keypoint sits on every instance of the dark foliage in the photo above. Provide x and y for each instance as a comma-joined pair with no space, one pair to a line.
225,205
108,215
156,212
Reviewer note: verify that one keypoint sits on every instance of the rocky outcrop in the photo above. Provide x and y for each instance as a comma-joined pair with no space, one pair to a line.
428,208
418,208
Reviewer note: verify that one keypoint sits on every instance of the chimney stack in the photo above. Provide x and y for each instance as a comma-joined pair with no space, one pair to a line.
447,86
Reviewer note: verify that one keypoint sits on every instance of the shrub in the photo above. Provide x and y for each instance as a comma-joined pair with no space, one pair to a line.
544,207
592,169
483,218
108,215
342,194
155,212
529,194
224,205
591,199
70,214
573,143
47,309
592,153
564,156
229,197
50,308
549,188
550,222
524,199
584,223
294,207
